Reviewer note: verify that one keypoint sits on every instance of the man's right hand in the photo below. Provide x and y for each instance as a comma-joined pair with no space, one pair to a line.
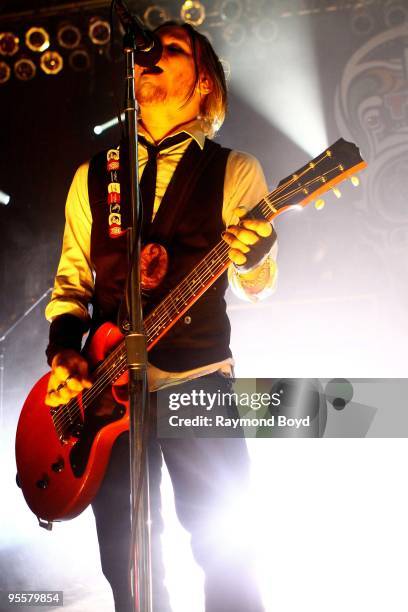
69,376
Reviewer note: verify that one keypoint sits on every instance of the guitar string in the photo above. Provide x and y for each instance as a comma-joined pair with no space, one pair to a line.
118,353
109,373
61,419
178,293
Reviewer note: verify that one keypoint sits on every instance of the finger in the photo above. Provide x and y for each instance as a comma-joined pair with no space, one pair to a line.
74,384
237,257
53,382
65,394
244,235
61,373
52,399
234,243
262,228
87,384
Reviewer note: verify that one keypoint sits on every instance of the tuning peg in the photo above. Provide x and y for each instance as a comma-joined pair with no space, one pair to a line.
355,181
319,204
337,192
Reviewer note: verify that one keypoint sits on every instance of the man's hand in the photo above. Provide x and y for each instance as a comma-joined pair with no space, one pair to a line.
242,237
69,376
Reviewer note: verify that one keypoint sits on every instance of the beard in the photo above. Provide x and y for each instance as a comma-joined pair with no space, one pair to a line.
150,93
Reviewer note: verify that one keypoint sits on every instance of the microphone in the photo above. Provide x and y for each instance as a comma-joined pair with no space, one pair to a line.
148,45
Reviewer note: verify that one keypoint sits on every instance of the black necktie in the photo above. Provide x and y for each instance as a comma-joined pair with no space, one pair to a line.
148,180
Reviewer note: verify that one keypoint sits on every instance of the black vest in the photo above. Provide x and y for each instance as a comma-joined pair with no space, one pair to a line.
202,335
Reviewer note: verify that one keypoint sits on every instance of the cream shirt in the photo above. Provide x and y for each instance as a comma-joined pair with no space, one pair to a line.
244,185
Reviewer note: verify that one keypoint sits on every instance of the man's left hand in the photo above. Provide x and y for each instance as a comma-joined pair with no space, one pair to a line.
242,237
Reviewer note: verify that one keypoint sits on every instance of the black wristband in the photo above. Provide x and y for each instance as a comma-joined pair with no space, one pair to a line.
66,332
257,253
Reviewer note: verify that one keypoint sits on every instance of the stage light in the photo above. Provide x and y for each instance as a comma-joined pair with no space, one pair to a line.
51,62
266,31
9,44
395,13
362,22
98,129
234,34
5,72
230,10
37,39
155,15
25,69
193,12
4,198
99,31
287,87
68,36
79,60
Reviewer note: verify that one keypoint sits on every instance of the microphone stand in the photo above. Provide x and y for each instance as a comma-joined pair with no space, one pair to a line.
140,552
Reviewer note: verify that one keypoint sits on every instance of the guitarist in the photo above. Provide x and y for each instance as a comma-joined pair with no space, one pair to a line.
193,189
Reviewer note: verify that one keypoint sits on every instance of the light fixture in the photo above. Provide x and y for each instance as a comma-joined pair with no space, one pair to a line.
25,69
362,22
395,13
266,30
230,10
5,72
98,129
9,44
68,36
193,12
51,62
37,39
79,60
4,198
155,15
99,31
234,34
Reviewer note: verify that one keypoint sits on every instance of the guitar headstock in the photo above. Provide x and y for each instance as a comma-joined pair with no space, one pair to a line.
337,163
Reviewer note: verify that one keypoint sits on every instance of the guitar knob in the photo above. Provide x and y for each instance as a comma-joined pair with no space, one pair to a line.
319,204
337,192
355,181
58,466
43,482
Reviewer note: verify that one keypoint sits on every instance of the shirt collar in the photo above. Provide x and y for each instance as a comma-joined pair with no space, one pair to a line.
192,128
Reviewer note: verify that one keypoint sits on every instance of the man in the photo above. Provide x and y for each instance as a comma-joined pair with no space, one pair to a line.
184,96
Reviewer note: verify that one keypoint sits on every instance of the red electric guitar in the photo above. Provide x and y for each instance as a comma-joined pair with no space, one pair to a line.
62,453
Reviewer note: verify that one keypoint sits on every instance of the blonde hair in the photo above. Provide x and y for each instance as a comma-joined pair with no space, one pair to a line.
213,106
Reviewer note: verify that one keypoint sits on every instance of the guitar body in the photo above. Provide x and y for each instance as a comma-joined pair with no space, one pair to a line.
60,478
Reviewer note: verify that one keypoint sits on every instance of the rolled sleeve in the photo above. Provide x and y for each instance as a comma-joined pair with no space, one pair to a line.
245,186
